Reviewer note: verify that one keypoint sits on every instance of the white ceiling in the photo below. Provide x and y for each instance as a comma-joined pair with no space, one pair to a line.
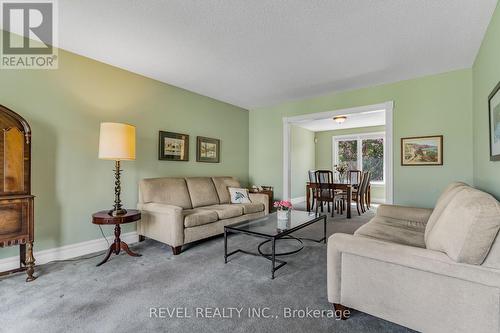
354,120
260,53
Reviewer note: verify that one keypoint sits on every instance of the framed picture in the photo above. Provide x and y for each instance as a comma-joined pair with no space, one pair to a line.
422,150
494,116
207,150
173,146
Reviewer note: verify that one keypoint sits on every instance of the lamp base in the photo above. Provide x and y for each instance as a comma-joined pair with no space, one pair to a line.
117,212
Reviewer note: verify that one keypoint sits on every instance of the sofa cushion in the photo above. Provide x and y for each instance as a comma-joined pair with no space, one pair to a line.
202,191
394,231
170,191
444,199
221,186
466,229
225,211
250,208
196,217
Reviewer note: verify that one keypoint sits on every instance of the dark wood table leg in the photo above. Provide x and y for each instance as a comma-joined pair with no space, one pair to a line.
125,248
118,232
118,245
108,254
349,200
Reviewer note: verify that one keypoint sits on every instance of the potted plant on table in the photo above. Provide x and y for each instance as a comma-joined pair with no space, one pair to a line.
284,207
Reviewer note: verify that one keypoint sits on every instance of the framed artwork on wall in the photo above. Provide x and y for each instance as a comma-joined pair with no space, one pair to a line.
207,150
494,122
422,150
173,146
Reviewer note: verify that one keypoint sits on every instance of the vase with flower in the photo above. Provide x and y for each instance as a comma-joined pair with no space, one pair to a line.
341,169
284,207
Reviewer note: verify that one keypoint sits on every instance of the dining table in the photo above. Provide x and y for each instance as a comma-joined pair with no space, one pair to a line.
346,187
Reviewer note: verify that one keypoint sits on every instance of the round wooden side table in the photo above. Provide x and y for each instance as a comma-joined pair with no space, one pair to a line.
103,218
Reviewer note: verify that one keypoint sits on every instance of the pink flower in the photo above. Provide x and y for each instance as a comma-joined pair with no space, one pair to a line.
283,204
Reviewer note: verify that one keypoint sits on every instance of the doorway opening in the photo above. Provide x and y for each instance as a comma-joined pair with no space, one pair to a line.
361,137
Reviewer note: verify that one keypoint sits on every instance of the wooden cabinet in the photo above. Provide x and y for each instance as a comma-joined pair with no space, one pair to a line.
270,195
16,201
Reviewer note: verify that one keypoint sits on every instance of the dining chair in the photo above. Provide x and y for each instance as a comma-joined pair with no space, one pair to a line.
354,177
366,194
361,192
357,194
324,190
312,179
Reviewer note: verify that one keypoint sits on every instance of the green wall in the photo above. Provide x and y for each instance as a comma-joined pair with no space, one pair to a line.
438,104
302,158
65,108
486,74
324,156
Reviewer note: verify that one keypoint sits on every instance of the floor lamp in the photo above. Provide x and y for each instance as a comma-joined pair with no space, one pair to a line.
117,143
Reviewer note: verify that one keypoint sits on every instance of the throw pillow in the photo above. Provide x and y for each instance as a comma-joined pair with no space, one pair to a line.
239,195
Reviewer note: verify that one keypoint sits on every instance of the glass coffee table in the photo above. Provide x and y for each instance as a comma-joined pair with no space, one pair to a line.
273,229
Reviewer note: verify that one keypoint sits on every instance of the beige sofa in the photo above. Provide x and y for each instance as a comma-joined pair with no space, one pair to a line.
429,270
177,211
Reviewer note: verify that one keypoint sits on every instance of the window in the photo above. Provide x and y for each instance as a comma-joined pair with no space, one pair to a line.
361,152
348,153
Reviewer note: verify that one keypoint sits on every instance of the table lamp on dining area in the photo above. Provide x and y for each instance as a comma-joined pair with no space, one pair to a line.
117,143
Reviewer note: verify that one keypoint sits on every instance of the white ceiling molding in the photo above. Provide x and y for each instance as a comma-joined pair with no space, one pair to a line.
261,53
365,119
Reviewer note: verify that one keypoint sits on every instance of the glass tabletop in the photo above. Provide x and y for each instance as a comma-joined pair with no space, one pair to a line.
271,226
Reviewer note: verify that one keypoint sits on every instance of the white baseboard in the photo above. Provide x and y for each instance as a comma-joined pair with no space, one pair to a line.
378,200
298,200
68,251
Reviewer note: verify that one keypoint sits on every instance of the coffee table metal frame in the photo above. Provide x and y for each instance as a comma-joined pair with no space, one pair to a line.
285,234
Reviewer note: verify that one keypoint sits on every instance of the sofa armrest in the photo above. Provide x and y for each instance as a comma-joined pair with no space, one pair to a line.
164,223
404,213
261,198
407,256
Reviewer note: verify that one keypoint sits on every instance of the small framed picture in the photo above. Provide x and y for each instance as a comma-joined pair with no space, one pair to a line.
173,146
494,116
422,150
207,150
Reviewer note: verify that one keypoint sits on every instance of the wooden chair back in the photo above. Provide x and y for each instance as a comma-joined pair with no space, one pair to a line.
364,183
354,177
312,176
324,181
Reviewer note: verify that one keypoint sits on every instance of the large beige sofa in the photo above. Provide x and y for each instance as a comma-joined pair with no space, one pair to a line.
429,270
177,211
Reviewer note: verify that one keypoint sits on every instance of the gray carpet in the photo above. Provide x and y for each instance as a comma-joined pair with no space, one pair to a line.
76,296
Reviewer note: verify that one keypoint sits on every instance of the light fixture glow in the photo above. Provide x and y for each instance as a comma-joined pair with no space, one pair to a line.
340,119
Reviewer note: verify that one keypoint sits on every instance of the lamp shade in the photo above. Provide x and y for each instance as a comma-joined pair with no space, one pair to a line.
117,142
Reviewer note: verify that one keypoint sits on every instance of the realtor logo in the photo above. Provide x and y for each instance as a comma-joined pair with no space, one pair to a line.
28,34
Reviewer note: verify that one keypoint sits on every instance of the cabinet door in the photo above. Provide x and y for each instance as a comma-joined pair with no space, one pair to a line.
14,220
13,159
